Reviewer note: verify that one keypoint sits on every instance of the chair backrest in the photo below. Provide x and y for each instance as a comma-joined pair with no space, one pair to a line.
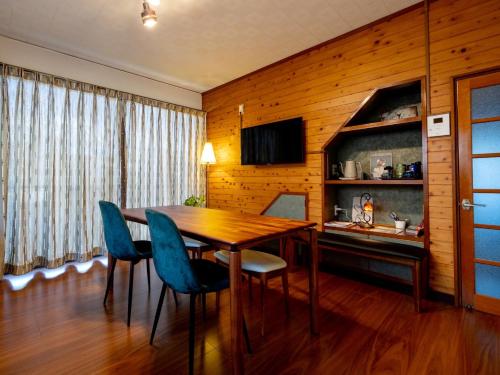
169,254
116,232
289,206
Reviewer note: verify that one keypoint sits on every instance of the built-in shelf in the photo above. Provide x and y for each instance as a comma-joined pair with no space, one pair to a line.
365,135
378,230
382,124
375,182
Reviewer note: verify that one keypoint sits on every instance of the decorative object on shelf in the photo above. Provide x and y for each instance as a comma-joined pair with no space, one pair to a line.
378,163
400,113
387,175
400,170
352,170
362,210
415,230
195,201
335,172
415,169
338,224
394,216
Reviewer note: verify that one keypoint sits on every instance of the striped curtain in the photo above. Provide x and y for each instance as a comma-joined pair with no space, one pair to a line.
163,152
61,152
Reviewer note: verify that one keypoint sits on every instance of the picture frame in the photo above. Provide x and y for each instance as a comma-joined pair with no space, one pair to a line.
378,161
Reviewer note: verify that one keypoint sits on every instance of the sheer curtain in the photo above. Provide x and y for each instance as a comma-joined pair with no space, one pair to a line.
61,152
163,151
60,156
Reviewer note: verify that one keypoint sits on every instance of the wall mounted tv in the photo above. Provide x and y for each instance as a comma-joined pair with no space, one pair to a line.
281,142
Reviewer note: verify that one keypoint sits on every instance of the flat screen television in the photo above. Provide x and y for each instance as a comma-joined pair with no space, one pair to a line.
279,142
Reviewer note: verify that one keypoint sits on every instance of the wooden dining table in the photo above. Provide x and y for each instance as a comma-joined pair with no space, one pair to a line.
236,231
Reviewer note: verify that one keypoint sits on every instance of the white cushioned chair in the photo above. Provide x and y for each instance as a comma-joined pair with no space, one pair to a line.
195,247
263,266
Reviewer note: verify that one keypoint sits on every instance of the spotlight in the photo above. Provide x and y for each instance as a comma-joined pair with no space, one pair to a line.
148,15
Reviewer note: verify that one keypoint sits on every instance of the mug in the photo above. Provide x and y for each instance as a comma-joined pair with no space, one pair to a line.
416,169
400,225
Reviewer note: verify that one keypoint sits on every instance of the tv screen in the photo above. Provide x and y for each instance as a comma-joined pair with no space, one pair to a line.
280,142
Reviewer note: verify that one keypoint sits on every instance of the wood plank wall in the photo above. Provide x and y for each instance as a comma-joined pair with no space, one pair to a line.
325,85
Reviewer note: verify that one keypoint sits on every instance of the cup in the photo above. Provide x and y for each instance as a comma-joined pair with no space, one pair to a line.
399,170
416,169
400,225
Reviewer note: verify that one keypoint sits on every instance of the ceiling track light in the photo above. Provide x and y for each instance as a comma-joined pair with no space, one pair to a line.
149,18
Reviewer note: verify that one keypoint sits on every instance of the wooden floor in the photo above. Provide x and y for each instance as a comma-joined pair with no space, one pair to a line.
59,326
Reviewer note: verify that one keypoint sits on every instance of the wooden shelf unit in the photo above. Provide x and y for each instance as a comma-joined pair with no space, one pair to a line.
380,231
382,124
365,124
375,182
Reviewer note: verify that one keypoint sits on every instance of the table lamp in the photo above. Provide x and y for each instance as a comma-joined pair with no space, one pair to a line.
207,158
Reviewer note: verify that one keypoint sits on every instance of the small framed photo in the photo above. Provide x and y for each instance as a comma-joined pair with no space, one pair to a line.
378,162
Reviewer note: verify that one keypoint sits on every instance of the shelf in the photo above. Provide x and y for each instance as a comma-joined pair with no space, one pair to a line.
381,124
379,230
375,182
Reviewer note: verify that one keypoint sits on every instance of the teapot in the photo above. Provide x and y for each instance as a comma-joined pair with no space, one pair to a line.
352,170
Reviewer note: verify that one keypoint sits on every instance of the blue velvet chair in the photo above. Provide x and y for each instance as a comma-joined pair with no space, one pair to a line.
122,247
181,274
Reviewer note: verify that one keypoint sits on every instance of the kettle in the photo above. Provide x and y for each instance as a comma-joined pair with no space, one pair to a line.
352,169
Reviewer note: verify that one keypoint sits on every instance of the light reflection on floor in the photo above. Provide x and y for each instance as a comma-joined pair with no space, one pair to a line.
19,282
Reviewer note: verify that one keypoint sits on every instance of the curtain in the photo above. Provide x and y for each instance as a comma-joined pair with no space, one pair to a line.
60,157
66,145
162,154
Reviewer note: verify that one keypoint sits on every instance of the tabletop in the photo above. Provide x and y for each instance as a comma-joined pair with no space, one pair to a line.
220,226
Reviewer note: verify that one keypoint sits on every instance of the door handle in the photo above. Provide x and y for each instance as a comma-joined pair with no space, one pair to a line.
466,205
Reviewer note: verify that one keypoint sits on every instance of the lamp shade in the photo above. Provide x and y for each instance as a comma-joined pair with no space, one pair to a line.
208,156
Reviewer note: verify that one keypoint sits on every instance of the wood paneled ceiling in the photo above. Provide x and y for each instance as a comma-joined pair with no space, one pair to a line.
197,44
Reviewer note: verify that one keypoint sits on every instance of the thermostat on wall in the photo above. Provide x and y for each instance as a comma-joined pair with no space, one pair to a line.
438,125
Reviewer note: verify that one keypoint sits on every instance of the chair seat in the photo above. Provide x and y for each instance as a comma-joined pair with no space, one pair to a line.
212,276
190,242
254,261
144,249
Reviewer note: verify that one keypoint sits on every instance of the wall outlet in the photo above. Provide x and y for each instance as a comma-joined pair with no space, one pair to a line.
241,109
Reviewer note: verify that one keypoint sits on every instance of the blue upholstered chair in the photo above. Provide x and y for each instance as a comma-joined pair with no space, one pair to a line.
183,275
122,247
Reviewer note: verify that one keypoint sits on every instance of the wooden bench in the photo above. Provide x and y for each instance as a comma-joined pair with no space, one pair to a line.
407,255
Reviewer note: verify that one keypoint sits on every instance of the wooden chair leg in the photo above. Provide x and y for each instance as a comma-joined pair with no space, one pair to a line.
250,284
192,321
110,279
200,253
149,275
284,280
204,304
217,300
175,298
130,291
158,312
263,287
425,277
282,247
247,337
417,285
